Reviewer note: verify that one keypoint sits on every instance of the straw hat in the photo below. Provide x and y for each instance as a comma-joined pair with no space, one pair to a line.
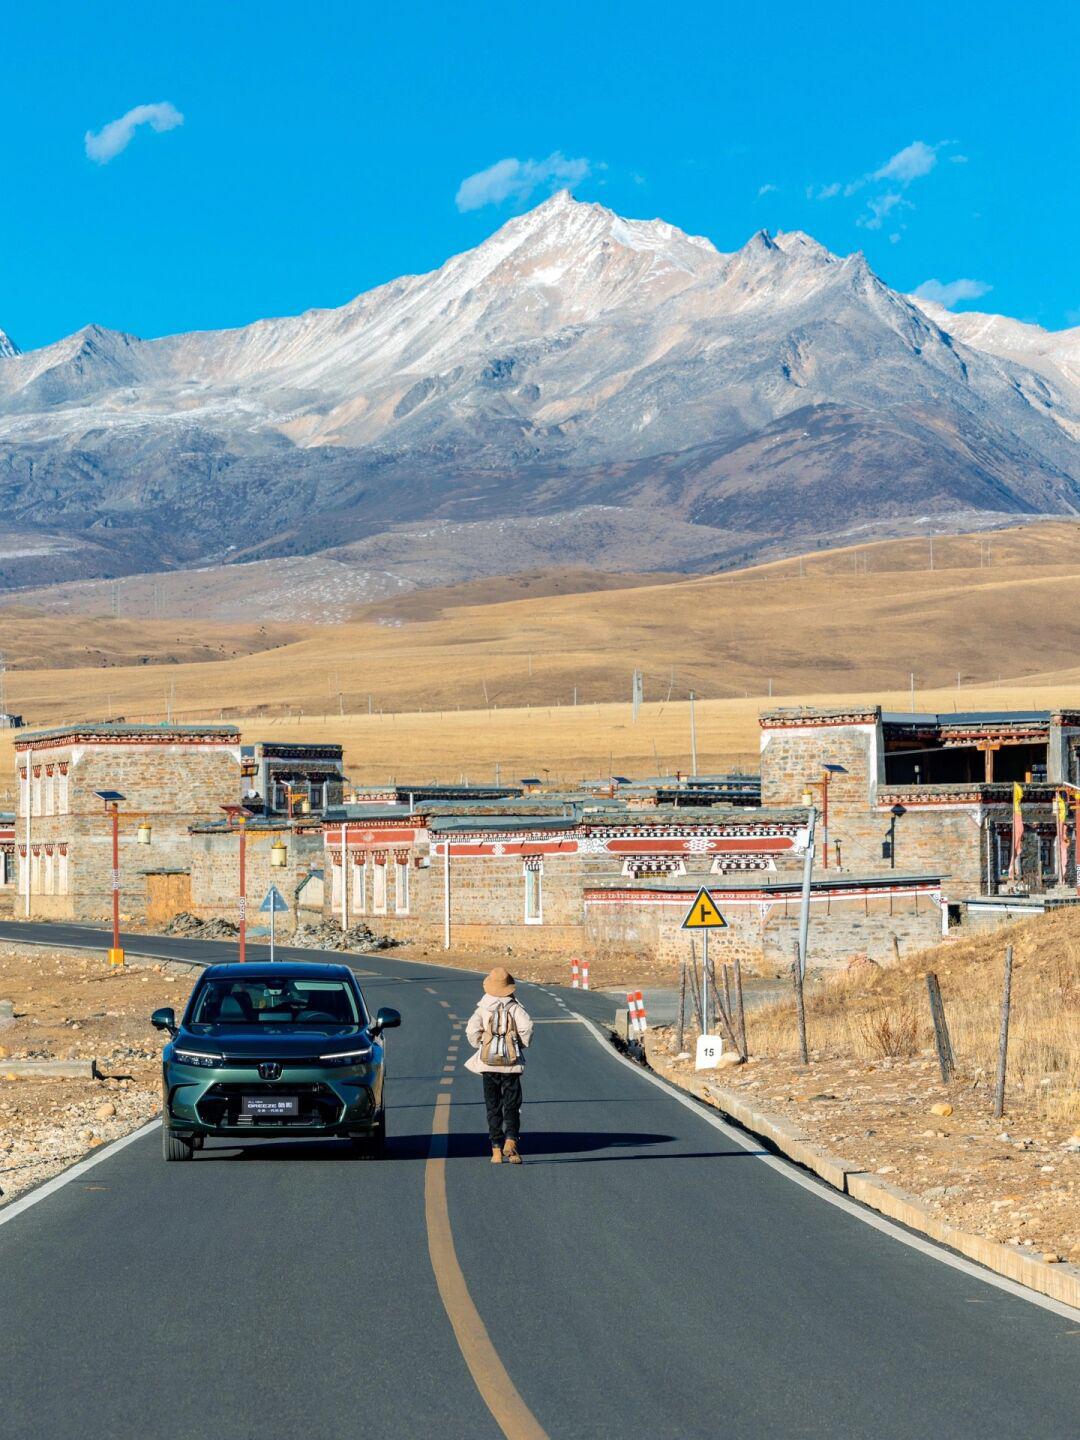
499,983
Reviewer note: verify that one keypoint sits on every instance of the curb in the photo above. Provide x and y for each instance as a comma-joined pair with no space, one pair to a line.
1059,1282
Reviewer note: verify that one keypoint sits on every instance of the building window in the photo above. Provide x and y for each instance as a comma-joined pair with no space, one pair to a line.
378,886
335,884
401,885
1048,857
359,890
62,872
1003,843
37,792
64,800
317,795
534,897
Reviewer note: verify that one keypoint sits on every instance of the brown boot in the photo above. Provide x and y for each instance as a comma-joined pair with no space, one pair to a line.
512,1155
496,1155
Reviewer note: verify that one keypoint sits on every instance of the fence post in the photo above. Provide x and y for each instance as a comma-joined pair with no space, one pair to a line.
740,1010
797,980
680,1034
722,1013
946,1059
1003,1035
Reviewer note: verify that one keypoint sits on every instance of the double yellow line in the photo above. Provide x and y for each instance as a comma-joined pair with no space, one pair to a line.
497,1390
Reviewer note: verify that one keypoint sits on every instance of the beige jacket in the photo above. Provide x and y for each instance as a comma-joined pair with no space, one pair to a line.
474,1033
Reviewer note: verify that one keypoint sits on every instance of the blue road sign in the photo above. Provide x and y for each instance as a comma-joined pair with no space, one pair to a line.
274,904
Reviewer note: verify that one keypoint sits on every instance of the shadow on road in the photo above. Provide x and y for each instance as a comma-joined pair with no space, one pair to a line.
552,1147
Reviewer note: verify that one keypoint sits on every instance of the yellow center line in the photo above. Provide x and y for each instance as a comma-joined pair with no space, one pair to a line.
497,1390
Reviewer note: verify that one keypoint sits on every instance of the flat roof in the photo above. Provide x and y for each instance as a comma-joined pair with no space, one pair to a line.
108,728
969,717
745,880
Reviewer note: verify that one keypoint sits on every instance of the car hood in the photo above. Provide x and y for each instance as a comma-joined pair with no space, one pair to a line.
272,1042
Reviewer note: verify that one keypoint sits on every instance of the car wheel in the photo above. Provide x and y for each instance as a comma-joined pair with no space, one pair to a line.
175,1147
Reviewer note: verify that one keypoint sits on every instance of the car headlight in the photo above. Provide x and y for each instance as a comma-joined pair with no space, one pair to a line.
348,1057
196,1057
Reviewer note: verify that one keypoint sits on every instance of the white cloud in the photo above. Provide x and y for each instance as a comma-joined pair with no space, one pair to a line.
951,292
517,179
958,159
823,192
766,190
117,134
880,206
911,163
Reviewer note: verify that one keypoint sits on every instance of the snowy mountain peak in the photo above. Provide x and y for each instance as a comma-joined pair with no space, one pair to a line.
8,348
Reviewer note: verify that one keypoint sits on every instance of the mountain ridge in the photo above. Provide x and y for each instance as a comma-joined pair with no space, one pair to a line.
777,392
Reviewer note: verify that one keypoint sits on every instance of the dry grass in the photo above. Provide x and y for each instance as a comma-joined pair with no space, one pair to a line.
827,624
869,1013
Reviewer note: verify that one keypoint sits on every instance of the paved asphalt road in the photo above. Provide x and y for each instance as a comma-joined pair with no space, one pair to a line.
642,1273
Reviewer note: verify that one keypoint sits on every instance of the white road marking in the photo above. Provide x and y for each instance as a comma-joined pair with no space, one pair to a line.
73,1172
869,1217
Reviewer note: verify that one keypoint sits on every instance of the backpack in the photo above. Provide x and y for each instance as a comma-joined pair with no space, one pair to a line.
500,1045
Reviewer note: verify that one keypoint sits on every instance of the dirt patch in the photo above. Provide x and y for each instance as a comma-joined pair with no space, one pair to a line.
70,1006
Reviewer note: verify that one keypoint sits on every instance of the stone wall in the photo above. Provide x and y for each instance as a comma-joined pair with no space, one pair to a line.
763,934
170,786
215,872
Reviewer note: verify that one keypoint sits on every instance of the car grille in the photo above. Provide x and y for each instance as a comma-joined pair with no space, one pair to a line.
317,1106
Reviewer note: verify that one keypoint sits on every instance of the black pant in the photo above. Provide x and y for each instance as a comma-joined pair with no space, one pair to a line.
502,1096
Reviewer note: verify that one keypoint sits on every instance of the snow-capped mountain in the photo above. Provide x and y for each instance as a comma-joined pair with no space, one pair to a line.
7,347
766,396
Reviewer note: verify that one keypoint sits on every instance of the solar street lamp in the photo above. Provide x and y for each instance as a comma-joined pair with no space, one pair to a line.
112,800
827,770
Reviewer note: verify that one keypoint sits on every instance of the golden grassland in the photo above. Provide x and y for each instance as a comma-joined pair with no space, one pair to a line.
840,622
870,1014
563,745
459,686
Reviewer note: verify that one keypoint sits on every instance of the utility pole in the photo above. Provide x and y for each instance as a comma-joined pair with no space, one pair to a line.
693,738
3,697
913,692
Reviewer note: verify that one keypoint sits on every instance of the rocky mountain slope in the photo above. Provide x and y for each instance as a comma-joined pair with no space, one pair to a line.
716,406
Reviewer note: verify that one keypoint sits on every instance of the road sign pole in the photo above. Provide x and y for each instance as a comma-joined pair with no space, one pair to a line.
705,983
273,928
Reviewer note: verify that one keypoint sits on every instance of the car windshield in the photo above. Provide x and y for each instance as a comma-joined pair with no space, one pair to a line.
273,1001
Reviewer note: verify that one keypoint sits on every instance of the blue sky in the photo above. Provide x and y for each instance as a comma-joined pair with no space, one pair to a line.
277,157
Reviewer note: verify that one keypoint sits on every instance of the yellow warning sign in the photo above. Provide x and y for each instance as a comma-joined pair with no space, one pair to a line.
703,914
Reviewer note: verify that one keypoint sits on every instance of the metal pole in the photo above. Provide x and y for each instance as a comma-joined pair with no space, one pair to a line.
825,819
808,870
705,983
273,927
693,740
344,878
446,894
29,827
243,893
115,878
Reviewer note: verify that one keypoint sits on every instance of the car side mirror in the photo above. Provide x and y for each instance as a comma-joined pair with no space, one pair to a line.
164,1020
386,1019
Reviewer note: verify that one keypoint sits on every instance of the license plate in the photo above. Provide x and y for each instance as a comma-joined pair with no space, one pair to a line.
270,1107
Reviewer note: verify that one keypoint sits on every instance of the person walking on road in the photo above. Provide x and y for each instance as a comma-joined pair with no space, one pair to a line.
500,1029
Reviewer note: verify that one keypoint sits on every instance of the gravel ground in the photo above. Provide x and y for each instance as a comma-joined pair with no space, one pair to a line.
72,1006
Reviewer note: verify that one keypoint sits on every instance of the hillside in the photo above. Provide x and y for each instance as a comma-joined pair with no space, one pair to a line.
575,371
997,610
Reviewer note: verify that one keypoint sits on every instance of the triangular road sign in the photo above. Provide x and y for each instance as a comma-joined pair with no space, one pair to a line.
703,914
274,902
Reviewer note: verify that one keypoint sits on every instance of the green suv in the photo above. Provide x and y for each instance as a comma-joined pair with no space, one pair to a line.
279,1049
